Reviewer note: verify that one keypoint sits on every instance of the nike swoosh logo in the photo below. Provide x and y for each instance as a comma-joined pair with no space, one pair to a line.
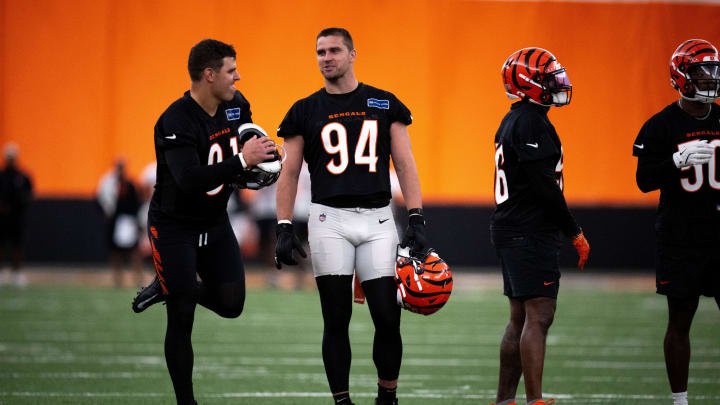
382,221
546,283
664,282
173,136
641,146
532,145
141,305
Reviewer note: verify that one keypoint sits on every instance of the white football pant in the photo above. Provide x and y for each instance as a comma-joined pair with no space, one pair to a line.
346,239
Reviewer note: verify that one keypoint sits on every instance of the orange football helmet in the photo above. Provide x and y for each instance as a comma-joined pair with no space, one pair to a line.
695,71
535,74
424,283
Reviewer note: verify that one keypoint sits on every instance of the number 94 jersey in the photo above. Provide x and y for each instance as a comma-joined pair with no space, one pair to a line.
347,140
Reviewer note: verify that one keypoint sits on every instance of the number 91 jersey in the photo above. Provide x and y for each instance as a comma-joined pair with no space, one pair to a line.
689,209
347,140
185,125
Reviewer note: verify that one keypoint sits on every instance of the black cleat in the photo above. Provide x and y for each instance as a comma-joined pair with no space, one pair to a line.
149,295
379,402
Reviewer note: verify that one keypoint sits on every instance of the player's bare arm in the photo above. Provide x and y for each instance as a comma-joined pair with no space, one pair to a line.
288,181
404,162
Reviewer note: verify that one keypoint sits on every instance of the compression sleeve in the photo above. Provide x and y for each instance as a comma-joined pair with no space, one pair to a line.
192,176
653,172
542,176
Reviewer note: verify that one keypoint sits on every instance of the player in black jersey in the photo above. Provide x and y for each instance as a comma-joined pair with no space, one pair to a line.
347,132
676,151
198,160
531,218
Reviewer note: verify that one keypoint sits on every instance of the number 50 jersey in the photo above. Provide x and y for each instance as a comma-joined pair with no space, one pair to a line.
347,142
689,210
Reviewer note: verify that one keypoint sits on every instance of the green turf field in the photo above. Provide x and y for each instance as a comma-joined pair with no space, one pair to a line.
81,345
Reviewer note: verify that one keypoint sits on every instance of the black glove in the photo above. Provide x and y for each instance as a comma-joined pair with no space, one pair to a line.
286,242
415,232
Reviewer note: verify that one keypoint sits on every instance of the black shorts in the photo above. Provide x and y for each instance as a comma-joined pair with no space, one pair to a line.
687,271
530,264
180,252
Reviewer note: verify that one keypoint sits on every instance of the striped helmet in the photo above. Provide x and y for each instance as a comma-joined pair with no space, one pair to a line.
695,71
424,283
534,74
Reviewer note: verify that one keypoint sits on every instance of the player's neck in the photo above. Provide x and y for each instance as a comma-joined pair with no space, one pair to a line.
342,85
205,99
694,108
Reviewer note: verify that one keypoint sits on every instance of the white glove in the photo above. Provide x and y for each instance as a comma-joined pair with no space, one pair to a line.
693,153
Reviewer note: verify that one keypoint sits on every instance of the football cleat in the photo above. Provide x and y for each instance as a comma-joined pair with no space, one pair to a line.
263,174
380,402
148,296
424,283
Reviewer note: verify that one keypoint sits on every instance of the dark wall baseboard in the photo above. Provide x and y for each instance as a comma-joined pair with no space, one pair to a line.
72,231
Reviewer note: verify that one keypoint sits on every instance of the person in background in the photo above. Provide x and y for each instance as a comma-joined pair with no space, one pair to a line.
16,193
120,203
263,209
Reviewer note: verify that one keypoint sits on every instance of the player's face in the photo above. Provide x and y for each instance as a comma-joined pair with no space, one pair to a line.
334,58
224,79
706,77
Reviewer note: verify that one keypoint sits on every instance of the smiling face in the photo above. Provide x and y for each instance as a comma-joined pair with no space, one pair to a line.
223,80
334,57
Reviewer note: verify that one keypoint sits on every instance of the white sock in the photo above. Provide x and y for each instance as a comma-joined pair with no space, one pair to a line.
680,398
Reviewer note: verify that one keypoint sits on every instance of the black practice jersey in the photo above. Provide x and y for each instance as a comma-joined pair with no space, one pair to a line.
197,195
528,174
689,209
347,143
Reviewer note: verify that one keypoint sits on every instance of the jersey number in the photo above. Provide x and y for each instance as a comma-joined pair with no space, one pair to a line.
502,193
693,186
367,140
216,156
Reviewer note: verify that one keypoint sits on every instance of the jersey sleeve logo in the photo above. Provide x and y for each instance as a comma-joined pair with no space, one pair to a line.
232,114
533,145
373,102
173,136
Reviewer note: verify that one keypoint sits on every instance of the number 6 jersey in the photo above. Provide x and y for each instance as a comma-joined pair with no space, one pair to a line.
347,143
528,175
689,209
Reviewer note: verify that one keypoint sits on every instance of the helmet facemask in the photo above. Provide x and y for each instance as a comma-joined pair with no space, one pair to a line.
705,80
557,89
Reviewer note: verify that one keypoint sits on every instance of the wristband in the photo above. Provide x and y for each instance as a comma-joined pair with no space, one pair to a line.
284,221
242,160
415,211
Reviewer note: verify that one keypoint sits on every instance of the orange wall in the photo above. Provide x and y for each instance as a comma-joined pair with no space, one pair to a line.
83,81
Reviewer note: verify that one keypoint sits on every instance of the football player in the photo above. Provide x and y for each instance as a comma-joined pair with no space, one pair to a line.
676,152
347,132
531,219
198,159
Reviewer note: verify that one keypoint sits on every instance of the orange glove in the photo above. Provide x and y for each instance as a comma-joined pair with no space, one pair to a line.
583,249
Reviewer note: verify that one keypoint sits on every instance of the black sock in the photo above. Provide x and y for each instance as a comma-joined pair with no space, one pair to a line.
386,394
178,345
342,399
